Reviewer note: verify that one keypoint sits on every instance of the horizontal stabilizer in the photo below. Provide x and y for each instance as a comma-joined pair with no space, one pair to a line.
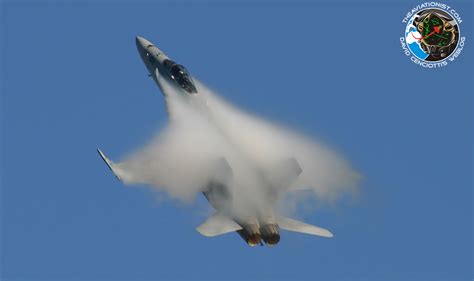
117,172
218,224
298,226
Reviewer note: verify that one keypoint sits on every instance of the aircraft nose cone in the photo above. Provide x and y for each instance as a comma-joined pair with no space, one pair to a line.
142,42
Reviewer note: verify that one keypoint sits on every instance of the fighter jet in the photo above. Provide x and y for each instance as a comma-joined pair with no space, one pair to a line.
257,227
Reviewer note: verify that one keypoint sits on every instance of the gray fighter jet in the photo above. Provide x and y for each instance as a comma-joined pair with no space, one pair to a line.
257,227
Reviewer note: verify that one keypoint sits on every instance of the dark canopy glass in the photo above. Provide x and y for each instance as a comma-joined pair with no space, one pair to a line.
182,77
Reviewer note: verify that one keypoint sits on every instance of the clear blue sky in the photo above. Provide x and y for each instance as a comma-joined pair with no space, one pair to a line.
72,80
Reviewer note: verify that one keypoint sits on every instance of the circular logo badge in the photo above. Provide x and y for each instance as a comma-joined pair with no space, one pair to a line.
432,34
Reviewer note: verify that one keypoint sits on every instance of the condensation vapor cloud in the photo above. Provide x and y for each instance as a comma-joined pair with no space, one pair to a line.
209,140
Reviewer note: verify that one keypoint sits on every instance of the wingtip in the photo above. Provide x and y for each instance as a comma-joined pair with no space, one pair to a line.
325,233
109,163
102,155
202,232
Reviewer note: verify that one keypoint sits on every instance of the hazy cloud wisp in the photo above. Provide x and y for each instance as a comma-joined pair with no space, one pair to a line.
205,135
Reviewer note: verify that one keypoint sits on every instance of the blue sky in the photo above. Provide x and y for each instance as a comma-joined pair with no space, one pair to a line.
72,81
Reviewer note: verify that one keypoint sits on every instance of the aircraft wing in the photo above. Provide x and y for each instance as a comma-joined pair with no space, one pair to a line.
119,172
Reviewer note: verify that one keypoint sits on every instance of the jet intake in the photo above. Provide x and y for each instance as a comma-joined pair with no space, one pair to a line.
270,234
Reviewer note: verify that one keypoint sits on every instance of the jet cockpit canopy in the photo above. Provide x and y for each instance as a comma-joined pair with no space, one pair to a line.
179,74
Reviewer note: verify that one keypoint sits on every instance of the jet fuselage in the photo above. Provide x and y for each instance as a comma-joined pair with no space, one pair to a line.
256,226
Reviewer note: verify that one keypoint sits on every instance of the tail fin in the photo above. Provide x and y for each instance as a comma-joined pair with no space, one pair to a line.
117,172
218,224
298,226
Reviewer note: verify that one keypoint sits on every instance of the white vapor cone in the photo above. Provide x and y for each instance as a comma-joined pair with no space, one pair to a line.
204,132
